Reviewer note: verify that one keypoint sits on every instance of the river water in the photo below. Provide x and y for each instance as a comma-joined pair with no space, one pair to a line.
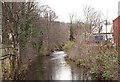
55,67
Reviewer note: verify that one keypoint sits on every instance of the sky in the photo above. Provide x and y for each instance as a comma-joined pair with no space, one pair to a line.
63,8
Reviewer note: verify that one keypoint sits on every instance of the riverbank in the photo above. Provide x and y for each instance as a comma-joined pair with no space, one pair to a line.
102,61
85,72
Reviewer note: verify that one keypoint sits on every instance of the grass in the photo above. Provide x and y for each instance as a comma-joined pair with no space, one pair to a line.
68,45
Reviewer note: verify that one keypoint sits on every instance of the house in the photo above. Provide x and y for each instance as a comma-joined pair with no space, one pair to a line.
116,28
104,32
107,32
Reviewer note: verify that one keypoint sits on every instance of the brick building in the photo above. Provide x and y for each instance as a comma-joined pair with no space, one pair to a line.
116,28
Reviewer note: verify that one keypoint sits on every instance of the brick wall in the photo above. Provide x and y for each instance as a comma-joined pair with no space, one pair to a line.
116,26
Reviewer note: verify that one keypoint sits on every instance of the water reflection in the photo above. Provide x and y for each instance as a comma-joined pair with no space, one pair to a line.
54,68
62,71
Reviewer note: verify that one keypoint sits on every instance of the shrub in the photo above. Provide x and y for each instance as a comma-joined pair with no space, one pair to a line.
80,62
68,45
106,65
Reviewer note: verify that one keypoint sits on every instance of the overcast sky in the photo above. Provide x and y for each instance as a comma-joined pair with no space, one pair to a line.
64,7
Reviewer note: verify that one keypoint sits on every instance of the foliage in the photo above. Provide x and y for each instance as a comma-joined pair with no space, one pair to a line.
68,45
19,22
80,62
71,33
38,42
106,65
24,34
71,16
26,26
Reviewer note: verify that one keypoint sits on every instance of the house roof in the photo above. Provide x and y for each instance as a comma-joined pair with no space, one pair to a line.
103,29
116,18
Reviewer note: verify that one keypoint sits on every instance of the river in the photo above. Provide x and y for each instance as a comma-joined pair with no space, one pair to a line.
55,67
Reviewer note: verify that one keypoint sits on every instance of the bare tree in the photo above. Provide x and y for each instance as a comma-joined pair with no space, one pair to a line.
92,17
71,16
49,16
46,11
17,23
